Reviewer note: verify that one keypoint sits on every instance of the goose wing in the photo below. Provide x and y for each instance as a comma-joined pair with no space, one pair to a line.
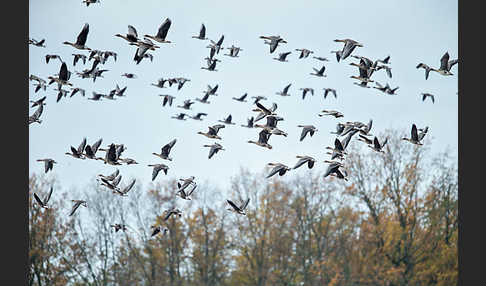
82,146
245,204
129,187
63,72
96,145
301,162
263,108
443,61
132,33
450,64
48,197
414,134
83,35
338,145
286,89
166,149
156,171
376,143
75,207
202,32
305,130
111,154
213,150
276,170
164,28
39,201
236,208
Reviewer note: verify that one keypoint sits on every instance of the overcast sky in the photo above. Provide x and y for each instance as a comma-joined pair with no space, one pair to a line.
409,31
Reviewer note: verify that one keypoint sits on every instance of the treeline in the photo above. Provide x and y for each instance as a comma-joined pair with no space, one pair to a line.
393,223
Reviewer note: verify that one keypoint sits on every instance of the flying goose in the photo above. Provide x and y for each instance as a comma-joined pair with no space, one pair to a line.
305,90
377,146
227,120
305,159
446,65
258,98
381,87
216,45
238,209
90,150
214,149
172,211
75,90
157,229
319,73
391,91
180,116
273,41
285,91
307,129
78,153
211,66
249,123
48,164
113,184
363,84
348,48
211,90
157,168
128,161
327,90
90,2
182,193
334,113
385,61
110,177
204,99
38,102
234,51
62,78
425,95
414,138
164,152
118,91
35,117
338,150
118,227
76,205
282,57
37,43
160,83
161,32
123,192
339,129
272,121
213,131
304,53
77,57
43,203
426,68
129,75
167,99
202,33
263,137
131,36
322,59
333,168
111,156
187,104
198,116
49,57
279,168
96,96
81,39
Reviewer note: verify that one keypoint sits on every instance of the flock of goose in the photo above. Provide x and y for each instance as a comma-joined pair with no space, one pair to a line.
185,187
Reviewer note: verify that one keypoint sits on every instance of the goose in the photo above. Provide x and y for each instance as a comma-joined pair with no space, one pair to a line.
90,150
446,65
327,90
204,99
187,104
143,47
111,156
81,39
272,121
334,113
211,66
157,229
110,96
425,95
279,168
49,57
249,123
264,110
129,75
276,131
285,91
78,153
213,131
387,69
322,59
48,164
258,98
214,149
107,54
414,138
339,129
96,96
303,160
167,99
128,161
123,192
160,83
118,227
381,87
164,152
334,168
216,45
181,81
338,55
234,51
385,60
212,90
180,116
131,36
183,194
363,84
77,57
110,177
186,183
426,68
391,91
227,120
304,53
305,90
198,116
238,209
36,78
38,102
202,33
118,91
170,212
157,168
338,148
377,146
349,46
76,205
90,2
75,90
274,41
113,184
37,43
62,78
263,137
43,203
161,32
282,57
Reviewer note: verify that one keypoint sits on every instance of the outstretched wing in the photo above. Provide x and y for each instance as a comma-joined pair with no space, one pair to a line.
81,40
245,204
48,197
414,134
233,205
164,28
443,61
39,201
75,207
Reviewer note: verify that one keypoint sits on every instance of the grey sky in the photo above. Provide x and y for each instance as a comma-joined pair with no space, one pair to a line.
409,31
